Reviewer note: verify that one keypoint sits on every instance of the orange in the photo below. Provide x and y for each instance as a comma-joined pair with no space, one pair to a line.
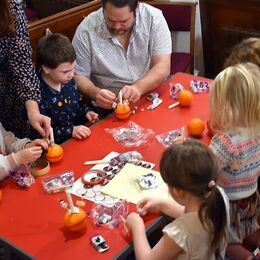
75,221
0,196
55,153
122,111
185,98
195,127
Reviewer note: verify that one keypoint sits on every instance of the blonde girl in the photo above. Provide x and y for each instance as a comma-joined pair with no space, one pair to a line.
235,112
199,206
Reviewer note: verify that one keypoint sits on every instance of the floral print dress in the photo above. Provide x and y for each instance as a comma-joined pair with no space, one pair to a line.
18,78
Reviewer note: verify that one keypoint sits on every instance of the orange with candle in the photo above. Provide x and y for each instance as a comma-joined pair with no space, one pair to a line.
75,218
122,110
55,151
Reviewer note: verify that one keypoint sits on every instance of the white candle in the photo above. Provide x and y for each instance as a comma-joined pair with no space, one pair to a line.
173,105
120,97
52,136
71,206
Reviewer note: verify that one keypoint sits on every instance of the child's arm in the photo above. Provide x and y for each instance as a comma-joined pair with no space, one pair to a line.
220,146
166,248
168,207
7,164
11,142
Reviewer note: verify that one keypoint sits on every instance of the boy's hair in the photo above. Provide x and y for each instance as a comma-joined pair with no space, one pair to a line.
246,51
54,49
7,21
121,3
234,99
190,166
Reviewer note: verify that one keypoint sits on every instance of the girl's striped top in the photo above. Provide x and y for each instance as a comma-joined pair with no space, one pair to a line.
238,157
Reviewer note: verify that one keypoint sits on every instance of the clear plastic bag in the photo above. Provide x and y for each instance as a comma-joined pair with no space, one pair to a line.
172,137
131,135
58,183
22,176
109,215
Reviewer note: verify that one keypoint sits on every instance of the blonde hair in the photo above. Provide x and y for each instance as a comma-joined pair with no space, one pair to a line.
235,99
246,51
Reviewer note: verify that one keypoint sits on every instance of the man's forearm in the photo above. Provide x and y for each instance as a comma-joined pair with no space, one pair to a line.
154,76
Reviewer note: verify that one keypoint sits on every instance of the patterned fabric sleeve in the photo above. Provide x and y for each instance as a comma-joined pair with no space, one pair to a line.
12,143
82,46
220,146
62,134
20,59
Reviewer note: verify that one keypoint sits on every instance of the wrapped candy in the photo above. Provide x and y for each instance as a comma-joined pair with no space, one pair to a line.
197,86
175,89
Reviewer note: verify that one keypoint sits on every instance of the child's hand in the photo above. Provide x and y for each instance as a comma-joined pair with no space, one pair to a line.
28,155
38,142
80,132
148,205
92,116
134,221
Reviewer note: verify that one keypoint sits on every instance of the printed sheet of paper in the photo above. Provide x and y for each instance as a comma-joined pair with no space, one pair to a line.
94,193
125,185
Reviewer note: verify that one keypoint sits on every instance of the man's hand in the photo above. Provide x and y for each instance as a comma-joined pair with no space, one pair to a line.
131,93
105,98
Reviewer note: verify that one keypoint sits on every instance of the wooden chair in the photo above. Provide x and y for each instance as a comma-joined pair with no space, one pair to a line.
180,16
65,22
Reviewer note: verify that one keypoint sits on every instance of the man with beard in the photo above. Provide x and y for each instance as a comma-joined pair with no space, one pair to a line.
125,45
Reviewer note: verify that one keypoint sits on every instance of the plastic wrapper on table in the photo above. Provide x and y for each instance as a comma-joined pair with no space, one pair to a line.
172,137
131,135
109,215
175,89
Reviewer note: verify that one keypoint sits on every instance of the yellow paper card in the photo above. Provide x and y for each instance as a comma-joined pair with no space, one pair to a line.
125,185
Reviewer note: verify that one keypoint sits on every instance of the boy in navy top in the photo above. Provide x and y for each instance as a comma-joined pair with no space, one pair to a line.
61,100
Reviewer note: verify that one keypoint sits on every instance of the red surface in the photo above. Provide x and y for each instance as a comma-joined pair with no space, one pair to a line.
33,220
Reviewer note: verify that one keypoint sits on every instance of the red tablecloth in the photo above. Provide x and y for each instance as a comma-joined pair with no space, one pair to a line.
33,220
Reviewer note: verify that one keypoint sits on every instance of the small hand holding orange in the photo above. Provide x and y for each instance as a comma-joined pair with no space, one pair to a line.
92,116
28,155
81,132
38,142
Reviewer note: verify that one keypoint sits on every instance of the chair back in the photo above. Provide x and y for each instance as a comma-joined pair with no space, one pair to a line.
180,16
